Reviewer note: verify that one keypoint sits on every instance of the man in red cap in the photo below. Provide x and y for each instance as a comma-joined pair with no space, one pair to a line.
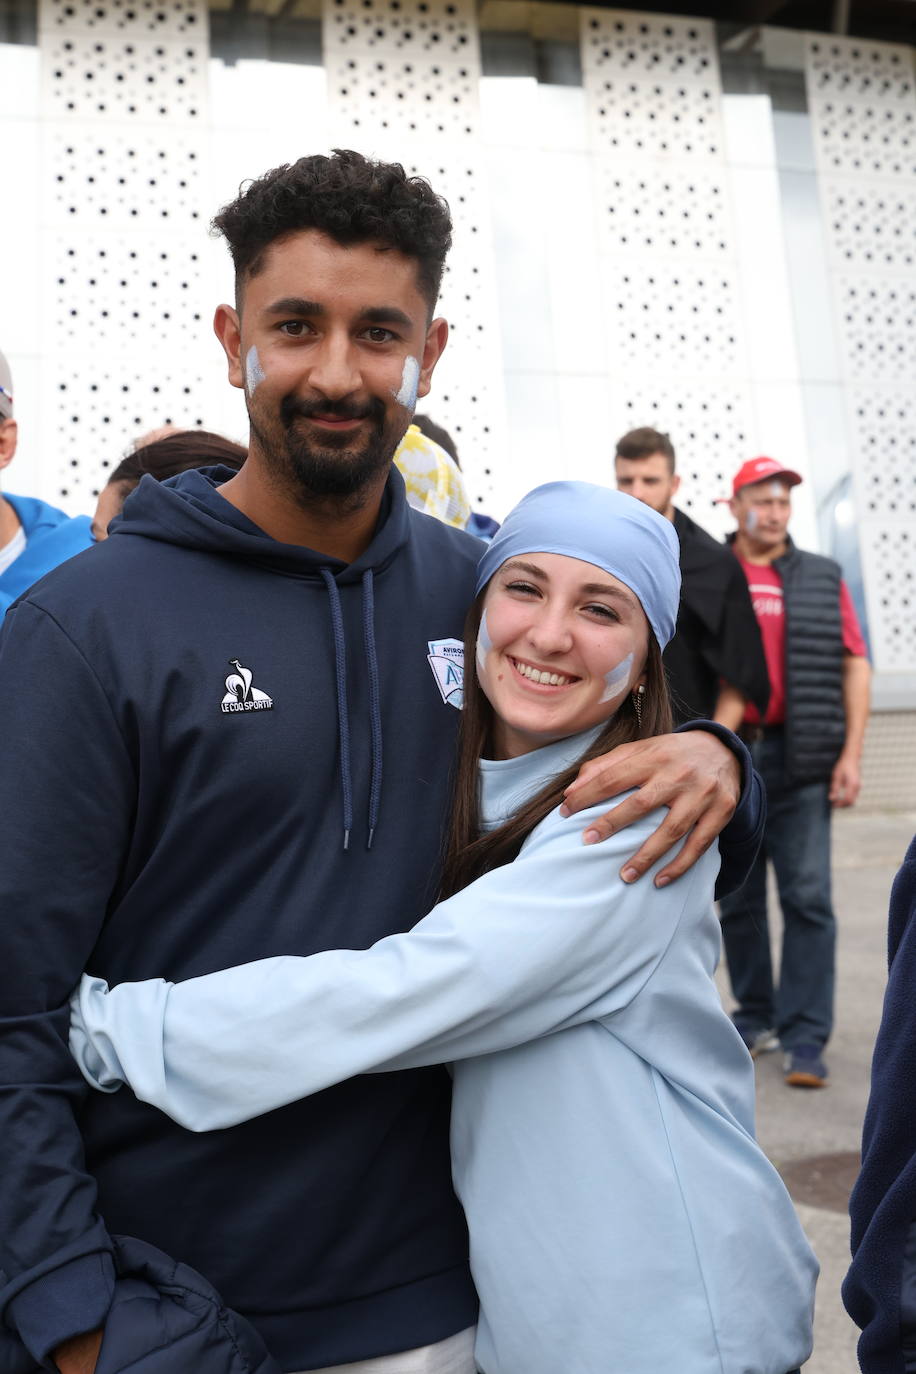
807,746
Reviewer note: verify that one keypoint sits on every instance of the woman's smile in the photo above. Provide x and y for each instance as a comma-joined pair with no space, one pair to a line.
538,677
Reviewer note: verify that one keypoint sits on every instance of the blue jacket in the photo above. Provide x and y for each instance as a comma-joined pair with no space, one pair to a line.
51,538
196,720
603,1102
880,1288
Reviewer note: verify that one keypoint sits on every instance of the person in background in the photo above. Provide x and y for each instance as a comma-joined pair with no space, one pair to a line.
160,455
484,526
880,1288
433,480
715,662
34,537
807,746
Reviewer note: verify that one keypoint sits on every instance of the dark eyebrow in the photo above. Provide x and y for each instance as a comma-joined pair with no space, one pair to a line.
530,568
386,314
616,593
294,305
372,314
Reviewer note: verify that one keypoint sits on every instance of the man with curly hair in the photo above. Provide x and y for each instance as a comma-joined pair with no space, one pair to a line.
228,734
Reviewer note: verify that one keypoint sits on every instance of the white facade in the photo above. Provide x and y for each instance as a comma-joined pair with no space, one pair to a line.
631,247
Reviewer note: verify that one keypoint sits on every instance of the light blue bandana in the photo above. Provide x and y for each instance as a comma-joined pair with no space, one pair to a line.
613,531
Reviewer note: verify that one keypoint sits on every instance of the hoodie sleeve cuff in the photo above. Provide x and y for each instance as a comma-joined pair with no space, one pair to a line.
73,1298
741,839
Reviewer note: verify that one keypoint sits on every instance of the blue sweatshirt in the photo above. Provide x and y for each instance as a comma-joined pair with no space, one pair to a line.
190,724
51,537
623,1219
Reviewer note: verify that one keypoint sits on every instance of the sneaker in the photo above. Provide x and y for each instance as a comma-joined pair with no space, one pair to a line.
805,1068
759,1039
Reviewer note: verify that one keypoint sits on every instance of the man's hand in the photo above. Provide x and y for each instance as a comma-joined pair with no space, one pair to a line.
694,774
79,1354
845,780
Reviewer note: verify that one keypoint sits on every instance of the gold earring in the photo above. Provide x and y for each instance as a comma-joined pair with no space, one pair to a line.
637,702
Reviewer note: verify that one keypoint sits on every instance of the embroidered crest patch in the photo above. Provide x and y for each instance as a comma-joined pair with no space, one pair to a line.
446,658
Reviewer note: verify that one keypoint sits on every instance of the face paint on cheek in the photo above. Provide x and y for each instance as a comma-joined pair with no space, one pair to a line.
752,521
254,372
617,680
484,642
410,381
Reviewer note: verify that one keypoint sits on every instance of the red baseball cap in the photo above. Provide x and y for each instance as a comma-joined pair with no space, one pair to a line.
758,470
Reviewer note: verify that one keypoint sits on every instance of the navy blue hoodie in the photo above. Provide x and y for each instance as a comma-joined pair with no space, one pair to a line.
880,1288
196,719
173,798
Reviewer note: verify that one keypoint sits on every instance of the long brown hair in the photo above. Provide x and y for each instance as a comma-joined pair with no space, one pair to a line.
468,854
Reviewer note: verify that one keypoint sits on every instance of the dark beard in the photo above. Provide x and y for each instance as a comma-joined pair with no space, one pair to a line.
329,472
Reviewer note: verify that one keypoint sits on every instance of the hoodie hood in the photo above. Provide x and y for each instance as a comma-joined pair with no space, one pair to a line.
189,511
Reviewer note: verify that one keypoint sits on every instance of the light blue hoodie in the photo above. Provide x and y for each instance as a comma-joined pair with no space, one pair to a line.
623,1220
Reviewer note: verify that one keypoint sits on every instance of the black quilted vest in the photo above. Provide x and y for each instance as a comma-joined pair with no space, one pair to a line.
815,715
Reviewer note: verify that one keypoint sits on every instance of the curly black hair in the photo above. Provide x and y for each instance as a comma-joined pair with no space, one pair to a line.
351,199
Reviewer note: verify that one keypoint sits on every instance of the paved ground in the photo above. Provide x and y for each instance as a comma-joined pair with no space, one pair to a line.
797,1127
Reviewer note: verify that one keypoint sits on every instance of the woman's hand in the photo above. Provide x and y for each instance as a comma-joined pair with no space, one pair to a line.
694,774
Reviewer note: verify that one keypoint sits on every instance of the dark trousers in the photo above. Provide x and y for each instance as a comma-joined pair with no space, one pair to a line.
797,842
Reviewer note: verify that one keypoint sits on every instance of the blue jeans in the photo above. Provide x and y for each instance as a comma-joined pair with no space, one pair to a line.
797,842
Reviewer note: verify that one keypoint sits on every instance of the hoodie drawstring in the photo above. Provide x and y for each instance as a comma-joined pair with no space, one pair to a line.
343,718
375,710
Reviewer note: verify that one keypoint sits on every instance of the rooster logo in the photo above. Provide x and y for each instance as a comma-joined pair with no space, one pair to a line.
240,695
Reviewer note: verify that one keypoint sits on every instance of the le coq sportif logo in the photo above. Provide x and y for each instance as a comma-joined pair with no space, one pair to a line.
240,694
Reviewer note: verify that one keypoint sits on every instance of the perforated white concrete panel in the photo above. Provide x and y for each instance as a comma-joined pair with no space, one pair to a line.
102,405
104,77
889,564
141,19
677,358
863,104
403,68
878,323
670,318
884,422
648,212
136,179
124,98
653,85
872,224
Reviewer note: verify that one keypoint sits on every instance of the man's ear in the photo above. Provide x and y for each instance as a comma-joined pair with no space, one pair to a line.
675,484
735,508
9,434
228,329
436,339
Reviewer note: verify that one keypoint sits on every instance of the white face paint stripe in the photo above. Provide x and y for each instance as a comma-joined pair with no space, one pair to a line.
254,372
484,642
617,680
410,381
